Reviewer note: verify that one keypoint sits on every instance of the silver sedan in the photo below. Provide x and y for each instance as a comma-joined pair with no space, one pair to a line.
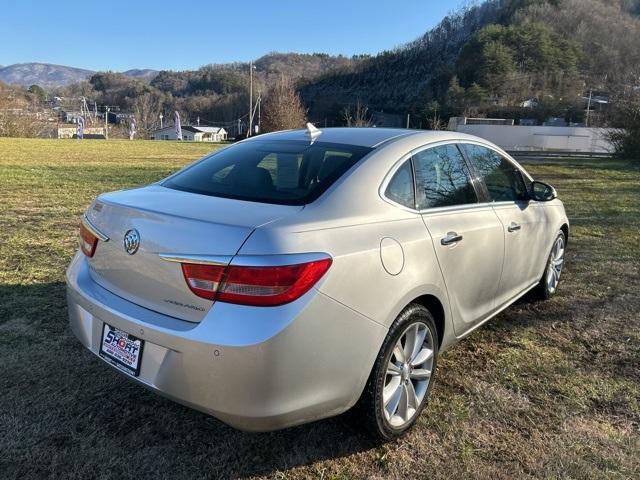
295,275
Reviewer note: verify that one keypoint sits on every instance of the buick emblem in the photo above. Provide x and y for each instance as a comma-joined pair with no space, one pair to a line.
131,241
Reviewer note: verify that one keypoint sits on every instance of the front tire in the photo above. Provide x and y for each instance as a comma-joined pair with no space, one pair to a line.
551,277
401,379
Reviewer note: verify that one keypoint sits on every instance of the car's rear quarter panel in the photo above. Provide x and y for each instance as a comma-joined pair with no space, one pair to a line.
357,277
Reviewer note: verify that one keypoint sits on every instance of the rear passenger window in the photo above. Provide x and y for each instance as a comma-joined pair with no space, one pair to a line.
504,182
442,178
400,188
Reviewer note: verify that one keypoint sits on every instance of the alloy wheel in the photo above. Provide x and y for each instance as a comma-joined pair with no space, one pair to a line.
408,374
556,260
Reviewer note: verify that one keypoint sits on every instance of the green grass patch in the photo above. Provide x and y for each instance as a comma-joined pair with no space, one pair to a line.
544,390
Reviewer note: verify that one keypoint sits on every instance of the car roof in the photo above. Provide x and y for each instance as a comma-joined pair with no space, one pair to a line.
364,136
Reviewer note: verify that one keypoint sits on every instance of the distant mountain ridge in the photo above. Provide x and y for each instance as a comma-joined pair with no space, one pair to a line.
49,75
44,74
485,59
146,74
294,65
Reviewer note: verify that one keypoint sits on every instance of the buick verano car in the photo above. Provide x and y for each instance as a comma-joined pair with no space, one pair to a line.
295,275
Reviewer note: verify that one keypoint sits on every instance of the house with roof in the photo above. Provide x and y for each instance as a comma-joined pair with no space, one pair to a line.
191,133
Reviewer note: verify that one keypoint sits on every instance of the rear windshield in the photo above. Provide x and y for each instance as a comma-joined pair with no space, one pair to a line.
283,172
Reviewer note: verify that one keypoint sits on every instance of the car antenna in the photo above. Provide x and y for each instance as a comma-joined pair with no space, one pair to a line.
313,132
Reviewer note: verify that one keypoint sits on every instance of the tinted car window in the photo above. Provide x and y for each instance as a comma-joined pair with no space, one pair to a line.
282,172
400,188
442,178
504,182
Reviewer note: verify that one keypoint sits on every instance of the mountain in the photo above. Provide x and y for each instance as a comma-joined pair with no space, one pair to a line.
293,65
215,93
392,79
145,74
48,75
232,78
488,59
503,50
44,74
301,65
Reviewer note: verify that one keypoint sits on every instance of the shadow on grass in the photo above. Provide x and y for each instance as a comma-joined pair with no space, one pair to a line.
65,413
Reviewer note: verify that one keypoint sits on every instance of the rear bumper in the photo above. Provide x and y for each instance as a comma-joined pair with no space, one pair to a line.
255,368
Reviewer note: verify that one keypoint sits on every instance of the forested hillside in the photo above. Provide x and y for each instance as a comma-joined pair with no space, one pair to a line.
392,80
497,58
489,59
214,93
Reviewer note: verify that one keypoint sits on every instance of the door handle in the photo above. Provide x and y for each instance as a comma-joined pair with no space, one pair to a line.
513,227
451,238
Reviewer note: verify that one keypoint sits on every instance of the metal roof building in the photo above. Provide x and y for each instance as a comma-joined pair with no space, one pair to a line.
191,133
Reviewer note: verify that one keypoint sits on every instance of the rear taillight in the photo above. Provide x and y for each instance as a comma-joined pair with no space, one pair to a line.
88,241
259,286
203,280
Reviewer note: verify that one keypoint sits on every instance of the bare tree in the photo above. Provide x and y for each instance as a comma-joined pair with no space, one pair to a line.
357,116
19,114
16,123
626,138
147,108
283,108
434,119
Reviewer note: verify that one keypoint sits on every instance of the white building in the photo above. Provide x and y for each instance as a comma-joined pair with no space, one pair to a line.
191,133
542,138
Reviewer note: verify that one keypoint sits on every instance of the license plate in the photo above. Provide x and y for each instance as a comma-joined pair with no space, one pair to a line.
121,349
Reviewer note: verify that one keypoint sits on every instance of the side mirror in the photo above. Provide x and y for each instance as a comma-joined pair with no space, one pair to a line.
542,192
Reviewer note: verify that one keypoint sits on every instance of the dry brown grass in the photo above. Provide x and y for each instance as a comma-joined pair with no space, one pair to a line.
545,390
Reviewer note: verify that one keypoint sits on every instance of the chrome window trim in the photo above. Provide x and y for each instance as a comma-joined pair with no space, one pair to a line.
407,157
387,180
471,178
502,153
507,157
396,166
512,203
93,229
455,208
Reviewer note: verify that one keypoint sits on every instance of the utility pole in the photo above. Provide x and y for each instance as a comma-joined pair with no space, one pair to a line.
408,116
249,130
161,117
239,121
106,127
586,120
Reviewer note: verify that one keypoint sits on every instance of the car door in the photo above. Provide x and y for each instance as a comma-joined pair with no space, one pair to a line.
522,220
467,234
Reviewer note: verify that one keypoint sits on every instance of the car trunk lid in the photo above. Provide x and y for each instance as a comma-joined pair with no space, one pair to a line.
169,223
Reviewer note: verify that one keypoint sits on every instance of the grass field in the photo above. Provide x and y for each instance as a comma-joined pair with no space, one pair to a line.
544,390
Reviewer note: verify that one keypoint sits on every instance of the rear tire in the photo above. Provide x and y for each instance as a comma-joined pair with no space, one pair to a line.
550,280
401,379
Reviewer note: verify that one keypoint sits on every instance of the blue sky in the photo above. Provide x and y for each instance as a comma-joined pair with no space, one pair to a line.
118,35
